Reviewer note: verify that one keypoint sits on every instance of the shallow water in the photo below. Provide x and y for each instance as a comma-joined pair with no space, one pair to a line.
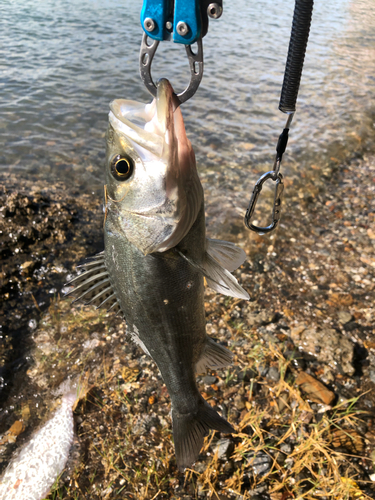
63,62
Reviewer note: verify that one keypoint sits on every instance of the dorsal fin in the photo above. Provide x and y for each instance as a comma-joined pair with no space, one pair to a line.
92,285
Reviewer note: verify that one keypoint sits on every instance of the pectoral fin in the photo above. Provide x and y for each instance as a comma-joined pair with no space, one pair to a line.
218,278
227,254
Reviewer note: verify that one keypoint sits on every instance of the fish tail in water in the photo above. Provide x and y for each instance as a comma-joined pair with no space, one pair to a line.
190,429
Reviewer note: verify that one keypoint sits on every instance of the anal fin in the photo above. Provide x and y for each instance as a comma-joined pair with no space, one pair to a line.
214,356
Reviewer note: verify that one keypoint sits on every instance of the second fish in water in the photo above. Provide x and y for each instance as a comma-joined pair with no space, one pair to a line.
157,255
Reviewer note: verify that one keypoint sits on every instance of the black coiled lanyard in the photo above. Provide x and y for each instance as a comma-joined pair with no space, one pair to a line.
292,77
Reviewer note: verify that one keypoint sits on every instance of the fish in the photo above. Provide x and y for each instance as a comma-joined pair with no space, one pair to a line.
157,257
32,472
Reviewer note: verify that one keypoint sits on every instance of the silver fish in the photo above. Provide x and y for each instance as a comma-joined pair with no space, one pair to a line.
157,255
32,473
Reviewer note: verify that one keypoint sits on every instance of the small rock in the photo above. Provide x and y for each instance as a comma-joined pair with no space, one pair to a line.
328,346
273,374
229,467
286,448
344,317
91,344
314,389
263,370
296,332
246,375
33,324
268,336
349,439
260,463
239,402
27,264
200,467
282,402
208,379
224,448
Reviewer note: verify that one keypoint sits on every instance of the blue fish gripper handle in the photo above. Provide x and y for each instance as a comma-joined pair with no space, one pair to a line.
181,18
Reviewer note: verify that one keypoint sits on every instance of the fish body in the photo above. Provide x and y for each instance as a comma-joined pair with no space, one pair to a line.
32,473
157,255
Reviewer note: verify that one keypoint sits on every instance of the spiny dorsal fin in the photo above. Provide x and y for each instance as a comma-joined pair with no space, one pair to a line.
93,286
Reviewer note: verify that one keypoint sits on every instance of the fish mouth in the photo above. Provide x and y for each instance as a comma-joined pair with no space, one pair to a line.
166,104
156,132
153,126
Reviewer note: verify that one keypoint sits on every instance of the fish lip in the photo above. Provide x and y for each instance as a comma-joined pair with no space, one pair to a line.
166,103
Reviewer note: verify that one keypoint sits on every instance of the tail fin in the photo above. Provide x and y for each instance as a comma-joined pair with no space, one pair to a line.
190,429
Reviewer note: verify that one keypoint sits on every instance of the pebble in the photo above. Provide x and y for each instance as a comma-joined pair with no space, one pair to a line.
344,317
263,370
286,448
260,463
246,375
273,374
239,403
338,350
33,324
224,448
208,380
314,389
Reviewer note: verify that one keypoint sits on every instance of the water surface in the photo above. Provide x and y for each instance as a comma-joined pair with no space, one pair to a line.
62,62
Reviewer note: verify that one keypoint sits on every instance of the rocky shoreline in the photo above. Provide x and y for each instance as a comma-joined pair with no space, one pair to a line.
301,391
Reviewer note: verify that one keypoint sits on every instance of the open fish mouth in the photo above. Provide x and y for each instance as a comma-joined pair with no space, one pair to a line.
165,188
151,126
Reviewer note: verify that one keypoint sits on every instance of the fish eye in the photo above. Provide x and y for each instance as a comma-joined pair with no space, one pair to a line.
122,167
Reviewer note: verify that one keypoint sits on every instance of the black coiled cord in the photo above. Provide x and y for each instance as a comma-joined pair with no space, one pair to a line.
296,55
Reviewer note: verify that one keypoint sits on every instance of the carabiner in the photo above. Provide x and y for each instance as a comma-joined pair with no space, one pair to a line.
279,188
195,63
